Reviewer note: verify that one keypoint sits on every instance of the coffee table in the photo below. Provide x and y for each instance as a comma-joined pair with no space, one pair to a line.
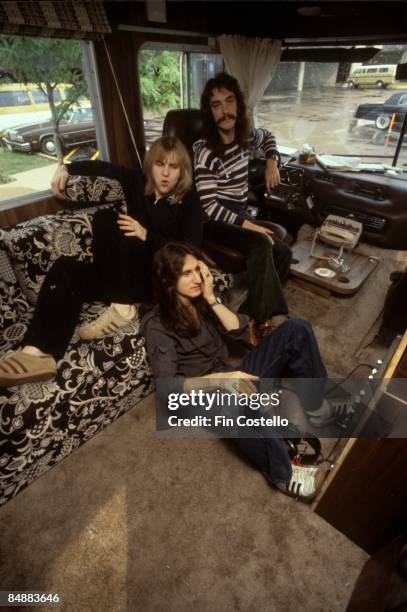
345,283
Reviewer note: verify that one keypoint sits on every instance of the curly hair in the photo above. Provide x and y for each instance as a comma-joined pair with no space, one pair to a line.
168,263
210,130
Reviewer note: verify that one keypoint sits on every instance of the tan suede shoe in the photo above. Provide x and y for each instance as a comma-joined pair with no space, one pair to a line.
106,323
18,368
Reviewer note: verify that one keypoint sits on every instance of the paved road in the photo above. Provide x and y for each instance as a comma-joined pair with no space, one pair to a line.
322,117
25,183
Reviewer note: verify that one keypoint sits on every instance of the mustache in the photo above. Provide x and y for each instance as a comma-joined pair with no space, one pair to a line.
226,116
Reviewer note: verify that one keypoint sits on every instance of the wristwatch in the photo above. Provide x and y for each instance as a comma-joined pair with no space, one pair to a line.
216,302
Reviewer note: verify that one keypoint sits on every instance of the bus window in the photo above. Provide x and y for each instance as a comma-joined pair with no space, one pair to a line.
160,84
14,98
197,68
39,96
304,103
172,79
28,147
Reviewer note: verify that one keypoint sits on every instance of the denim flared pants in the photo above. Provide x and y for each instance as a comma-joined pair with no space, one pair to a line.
289,351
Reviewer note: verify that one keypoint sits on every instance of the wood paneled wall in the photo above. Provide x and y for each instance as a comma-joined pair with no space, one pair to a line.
9,218
367,500
122,48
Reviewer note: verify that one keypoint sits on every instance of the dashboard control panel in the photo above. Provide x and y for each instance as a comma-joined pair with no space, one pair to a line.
289,192
309,193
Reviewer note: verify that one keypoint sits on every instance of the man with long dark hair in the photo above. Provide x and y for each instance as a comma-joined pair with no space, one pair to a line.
185,340
221,176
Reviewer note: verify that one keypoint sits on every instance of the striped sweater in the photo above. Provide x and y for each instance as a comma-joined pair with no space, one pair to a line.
220,180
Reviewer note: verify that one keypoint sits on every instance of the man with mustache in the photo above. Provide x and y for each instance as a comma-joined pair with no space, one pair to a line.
221,175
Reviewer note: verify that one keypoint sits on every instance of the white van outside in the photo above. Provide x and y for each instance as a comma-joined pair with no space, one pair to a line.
372,76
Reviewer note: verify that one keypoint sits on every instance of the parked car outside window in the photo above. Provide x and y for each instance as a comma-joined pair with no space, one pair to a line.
77,129
381,113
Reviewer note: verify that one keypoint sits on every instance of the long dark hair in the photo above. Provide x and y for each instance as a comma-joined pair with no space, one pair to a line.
167,268
209,129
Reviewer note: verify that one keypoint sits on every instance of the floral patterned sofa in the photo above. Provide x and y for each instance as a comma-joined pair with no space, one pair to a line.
97,382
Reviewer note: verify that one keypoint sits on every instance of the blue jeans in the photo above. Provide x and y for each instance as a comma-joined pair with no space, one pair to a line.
289,351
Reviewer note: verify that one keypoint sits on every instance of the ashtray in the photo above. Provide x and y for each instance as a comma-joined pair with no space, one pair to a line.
324,272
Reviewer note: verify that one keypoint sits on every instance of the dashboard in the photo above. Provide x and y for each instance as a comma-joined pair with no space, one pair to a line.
309,193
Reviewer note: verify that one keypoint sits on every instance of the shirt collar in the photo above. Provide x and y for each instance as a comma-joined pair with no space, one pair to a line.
169,197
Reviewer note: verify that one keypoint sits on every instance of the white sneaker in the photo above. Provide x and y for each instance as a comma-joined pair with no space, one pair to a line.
335,409
106,323
305,482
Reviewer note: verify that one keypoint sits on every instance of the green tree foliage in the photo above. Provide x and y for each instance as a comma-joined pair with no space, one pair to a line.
160,79
47,62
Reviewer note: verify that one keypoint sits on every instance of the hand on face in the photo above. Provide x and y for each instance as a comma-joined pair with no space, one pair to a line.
207,282
131,227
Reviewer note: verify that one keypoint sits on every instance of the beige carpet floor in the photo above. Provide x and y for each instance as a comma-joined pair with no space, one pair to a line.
134,522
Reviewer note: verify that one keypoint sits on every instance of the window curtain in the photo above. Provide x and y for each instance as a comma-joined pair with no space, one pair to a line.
252,61
59,19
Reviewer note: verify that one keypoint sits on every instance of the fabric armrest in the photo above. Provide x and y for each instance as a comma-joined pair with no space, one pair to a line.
93,189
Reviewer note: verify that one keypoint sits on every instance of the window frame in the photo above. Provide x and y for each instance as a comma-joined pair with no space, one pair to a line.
90,71
212,47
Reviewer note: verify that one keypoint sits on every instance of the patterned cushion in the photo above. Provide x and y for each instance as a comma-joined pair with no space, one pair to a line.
15,312
91,189
222,281
34,245
96,382
6,268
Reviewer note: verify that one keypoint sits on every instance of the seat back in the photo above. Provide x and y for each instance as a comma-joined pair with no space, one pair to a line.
185,124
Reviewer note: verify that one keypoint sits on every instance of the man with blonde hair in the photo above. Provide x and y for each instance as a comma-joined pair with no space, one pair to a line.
159,209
